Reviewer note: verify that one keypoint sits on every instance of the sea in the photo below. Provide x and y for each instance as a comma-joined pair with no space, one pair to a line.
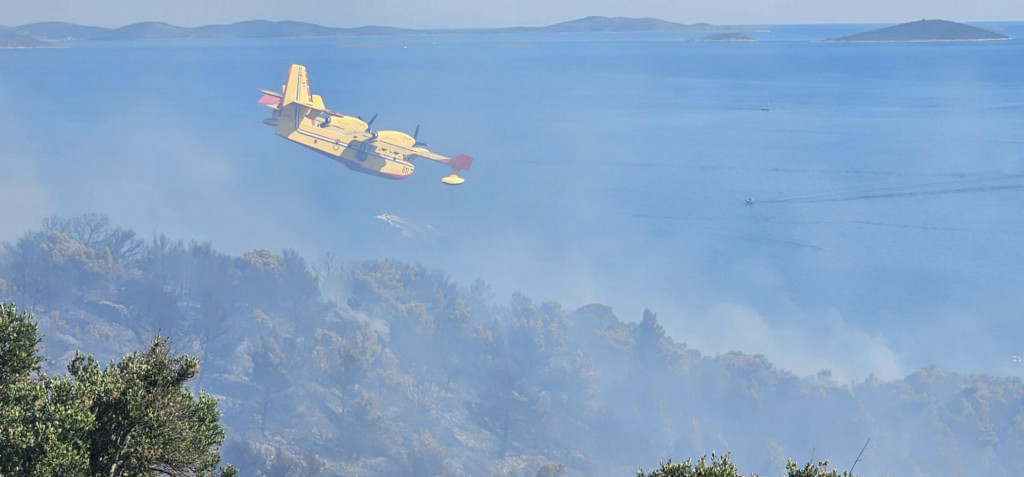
839,206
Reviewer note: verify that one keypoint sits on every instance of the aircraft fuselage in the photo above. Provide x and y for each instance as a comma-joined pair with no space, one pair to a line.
301,117
360,153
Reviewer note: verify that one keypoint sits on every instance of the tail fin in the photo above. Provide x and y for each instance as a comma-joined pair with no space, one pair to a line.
296,90
297,103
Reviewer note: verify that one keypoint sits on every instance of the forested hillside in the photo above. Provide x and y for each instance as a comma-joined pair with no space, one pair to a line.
386,368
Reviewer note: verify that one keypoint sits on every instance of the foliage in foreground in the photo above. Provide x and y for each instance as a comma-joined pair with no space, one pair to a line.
133,418
722,466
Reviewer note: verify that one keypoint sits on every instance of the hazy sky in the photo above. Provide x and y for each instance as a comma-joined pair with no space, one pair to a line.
463,13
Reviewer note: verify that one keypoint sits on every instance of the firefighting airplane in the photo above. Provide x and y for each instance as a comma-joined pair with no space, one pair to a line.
301,117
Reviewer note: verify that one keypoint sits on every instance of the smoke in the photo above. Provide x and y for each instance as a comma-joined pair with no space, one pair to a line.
808,344
22,201
189,158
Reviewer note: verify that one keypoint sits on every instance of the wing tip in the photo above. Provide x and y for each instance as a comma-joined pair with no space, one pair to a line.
453,180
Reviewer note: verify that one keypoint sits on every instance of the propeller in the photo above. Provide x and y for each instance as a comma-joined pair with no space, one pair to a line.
416,142
369,124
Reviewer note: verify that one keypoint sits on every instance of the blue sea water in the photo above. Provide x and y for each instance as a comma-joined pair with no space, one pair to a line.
887,178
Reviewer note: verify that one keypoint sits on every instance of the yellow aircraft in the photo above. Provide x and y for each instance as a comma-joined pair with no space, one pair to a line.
301,117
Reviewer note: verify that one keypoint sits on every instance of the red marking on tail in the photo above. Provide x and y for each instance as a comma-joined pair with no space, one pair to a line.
270,100
462,161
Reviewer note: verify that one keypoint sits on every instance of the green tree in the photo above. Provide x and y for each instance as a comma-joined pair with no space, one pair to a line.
821,469
42,421
133,418
147,422
720,466
19,338
94,231
81,257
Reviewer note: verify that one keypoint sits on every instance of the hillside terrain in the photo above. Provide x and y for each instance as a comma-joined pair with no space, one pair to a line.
10,39
59,31
387,368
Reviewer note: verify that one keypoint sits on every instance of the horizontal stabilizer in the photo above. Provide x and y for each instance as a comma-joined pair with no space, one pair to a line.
269,99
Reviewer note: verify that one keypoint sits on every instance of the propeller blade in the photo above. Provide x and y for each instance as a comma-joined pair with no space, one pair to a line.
415,135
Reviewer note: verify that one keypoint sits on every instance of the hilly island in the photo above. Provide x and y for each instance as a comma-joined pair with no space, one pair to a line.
40,34
924,31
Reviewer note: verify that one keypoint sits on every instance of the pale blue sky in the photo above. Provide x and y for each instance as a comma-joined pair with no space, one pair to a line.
465,13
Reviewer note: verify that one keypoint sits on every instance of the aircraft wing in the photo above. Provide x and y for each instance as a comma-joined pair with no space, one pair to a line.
418,152
351,136
461,162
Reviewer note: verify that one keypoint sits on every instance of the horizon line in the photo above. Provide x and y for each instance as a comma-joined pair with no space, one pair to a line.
507,27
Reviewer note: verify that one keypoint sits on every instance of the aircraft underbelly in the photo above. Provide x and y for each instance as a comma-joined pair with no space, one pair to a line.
357,160
369,163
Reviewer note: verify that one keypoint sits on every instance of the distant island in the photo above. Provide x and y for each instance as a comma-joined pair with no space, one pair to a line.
924,31
70,32
61,32
724,37
596,24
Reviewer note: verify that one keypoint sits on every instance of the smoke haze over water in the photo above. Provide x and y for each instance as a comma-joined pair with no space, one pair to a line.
608,169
